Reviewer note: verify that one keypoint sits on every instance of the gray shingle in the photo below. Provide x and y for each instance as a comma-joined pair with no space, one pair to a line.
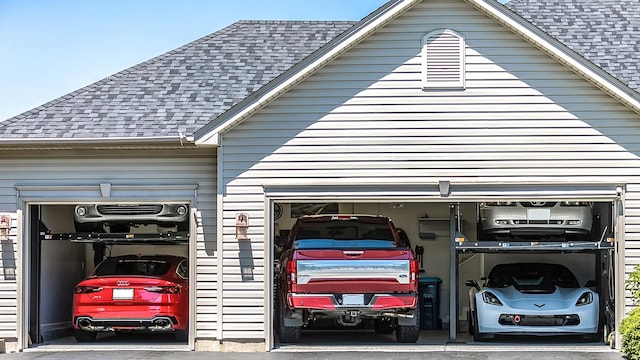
606,32
181,90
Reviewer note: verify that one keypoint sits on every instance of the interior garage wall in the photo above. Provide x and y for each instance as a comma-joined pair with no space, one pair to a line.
157,167
62,265
365,119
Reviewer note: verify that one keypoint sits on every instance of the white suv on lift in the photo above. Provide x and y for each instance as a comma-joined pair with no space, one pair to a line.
121,217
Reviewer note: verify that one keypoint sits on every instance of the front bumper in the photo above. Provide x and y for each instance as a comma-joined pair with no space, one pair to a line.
537,322
516,220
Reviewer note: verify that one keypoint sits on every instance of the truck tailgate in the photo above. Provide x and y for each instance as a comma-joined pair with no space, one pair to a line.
351,271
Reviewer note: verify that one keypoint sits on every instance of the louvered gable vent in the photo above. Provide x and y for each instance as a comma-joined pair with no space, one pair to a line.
443,60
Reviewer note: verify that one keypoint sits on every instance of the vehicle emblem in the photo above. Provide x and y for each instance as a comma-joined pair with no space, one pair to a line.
122,283
538,203
539,305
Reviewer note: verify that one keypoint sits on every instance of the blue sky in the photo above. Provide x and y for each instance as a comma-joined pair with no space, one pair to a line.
49,48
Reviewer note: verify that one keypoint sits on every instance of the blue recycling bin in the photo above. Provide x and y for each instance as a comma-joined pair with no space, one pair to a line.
429,302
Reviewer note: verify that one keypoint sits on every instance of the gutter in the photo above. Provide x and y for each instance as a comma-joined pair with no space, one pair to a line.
179,141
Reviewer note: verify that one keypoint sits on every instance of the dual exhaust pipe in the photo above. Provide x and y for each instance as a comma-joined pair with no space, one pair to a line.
155,324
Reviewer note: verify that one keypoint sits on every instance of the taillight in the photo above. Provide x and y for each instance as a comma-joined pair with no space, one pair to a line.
413,273
163,289
291,280
344,217
87,289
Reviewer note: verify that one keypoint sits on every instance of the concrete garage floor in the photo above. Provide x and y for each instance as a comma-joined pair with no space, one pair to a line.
337,340
433,340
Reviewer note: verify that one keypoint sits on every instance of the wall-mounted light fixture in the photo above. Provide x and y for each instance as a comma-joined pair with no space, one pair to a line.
444,186
5,226
242,226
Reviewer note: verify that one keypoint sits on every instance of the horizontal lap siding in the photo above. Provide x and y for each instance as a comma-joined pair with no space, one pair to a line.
129,167
8,283
364,118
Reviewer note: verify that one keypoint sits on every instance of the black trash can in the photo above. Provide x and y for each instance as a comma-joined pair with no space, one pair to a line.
429,302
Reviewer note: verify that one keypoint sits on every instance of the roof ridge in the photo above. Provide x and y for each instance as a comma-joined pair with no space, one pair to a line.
116,76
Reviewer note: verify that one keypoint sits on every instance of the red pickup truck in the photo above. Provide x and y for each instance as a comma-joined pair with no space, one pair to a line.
347,268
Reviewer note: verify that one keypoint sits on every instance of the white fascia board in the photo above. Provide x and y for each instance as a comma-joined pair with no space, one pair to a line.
560,52
212,138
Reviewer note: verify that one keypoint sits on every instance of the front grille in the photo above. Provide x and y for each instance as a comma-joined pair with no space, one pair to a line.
539,320
538,222
150,209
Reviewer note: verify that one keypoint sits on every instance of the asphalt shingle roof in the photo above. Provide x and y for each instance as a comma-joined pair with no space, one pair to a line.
606,32
181,90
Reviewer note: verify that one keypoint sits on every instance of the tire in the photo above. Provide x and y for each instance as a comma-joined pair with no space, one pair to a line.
86,227
470,322
84,336
182,335
287,334
477,335
409,333
383,326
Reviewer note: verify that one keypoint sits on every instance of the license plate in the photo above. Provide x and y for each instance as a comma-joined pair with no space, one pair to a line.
353,299
539,214
122,294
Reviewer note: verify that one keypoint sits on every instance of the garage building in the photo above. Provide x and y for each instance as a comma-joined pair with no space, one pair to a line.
420,111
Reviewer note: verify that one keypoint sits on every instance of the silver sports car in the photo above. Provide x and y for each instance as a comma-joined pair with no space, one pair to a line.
532,299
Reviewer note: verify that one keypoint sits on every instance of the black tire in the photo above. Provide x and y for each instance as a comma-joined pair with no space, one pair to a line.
182,226
287,334
182,335
86,227
470,322
383,326
477,335
84,336
409,333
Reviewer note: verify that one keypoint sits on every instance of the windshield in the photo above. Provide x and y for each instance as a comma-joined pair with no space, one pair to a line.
531,276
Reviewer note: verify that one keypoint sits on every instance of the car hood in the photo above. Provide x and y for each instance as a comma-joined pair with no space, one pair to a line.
559,299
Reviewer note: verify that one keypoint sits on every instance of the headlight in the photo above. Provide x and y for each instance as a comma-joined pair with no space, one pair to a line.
574,203
585,299
499,203
81,210
490,298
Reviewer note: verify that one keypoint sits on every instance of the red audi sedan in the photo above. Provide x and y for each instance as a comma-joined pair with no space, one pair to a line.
148,293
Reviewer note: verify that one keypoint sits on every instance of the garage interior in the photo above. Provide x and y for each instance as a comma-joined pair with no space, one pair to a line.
429,227
60,257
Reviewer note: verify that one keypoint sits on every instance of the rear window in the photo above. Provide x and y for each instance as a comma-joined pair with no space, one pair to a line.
129,266
344,234
344,230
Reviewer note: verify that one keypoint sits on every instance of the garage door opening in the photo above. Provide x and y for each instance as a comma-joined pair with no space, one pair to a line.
538,268
445,298
138,294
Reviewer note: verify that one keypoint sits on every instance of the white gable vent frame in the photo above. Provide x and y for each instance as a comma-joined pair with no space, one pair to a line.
443,60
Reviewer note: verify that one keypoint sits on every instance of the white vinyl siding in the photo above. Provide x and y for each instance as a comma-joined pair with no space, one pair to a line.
8,283
443,60
53,169
365,119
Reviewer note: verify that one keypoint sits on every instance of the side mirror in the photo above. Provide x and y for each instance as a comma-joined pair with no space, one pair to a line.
472,283
591,284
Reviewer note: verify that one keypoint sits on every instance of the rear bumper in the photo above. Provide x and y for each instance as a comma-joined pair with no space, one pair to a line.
158,323
372,303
